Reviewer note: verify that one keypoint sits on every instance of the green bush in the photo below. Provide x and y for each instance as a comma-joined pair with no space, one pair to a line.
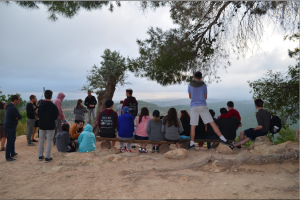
22,125
284,135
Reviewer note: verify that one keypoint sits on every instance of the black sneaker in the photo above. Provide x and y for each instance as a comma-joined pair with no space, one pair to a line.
34,140
153,150
228,144
239,147
14,155
133,146
11,159
157,149
48,160
191,147
41,158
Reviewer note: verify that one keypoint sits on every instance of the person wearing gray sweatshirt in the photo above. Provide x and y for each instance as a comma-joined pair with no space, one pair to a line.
63,141
172,127
79,111
154,131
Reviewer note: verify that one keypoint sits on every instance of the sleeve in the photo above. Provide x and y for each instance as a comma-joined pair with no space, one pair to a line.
180,128
259,119
30,109
124,103
18,115
55,112
116,120
86,103
189,88
85,110
74,110
73,133
227,115
237,121
149,127
95,101
67,140
95,139
60,108
205,89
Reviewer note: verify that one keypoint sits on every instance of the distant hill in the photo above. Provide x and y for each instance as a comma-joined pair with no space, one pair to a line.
175,102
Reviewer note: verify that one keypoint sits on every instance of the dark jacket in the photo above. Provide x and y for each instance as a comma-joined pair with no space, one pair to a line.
63,141
186,126
125,125
200,129
154,131
210,131
90,101
127,102
11,114
30,111
48,113
107,113
228,126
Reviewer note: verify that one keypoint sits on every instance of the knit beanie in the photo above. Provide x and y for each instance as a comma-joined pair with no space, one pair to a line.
109,103
156,113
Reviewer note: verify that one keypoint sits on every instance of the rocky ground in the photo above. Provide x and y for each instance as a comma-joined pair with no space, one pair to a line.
106,175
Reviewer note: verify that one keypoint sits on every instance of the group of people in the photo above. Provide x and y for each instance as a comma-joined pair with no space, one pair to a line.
125,123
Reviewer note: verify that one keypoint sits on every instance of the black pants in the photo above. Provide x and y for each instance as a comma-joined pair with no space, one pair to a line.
10,143
73,148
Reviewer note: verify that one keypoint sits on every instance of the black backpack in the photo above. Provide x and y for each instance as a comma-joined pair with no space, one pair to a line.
275,125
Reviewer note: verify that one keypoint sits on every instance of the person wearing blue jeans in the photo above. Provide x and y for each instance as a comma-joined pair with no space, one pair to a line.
12,116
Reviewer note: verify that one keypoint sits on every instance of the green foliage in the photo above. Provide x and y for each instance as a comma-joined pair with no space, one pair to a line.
111,72
7,99
286,134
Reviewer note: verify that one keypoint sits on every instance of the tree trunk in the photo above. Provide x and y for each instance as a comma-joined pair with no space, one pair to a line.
107,94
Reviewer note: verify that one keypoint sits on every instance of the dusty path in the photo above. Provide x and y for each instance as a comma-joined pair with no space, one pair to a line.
144,176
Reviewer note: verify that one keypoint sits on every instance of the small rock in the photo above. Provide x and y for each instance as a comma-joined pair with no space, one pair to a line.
235,170
217,170
176,154
222,148
214,163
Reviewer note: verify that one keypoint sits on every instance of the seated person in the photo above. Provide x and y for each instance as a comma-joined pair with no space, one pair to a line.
172,127
87,140
228,126
108,121
185,121
63,141
263,125
141,128
210,133
154,131
75,130
231,112
125,129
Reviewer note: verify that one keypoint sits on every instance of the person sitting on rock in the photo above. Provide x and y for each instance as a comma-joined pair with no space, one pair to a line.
154,131
63,141
75,130
108,121
172,127
231,112
185,121
87,140
263,120
125,129
228,125
141,128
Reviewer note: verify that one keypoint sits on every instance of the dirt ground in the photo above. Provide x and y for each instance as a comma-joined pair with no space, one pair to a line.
141,176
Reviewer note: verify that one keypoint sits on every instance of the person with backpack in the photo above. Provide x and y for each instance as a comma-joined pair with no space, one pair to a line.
108,121
131,103
90,102
263,125
12,116
31,111
48,113
198,94
125,129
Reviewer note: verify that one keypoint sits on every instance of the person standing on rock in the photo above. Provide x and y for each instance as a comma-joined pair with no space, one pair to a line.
12,116
48,113
90,102
119,108
61,117
108,121
263,118
31,111
198,94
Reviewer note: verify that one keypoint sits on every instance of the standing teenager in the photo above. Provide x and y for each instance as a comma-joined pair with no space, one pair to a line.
119,108
48,114
12,116
79,111
198,94
61,117
131,103
31,111
90,102
3,134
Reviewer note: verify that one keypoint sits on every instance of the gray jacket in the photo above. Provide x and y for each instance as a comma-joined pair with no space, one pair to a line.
172,132
154,131
63,141
79,113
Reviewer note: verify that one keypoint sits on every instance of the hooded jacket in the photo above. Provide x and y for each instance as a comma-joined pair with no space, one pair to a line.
107,113
57,102
125,125
47,113
11,114
87,140
131,100
63,141
79,113
196,84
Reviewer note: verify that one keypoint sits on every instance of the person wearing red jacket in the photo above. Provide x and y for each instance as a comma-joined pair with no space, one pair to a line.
231,112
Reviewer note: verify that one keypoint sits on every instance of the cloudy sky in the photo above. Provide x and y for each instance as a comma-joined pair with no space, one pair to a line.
36,52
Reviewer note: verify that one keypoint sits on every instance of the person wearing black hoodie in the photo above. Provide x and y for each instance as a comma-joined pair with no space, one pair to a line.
131,103
48,113
108,121
12,116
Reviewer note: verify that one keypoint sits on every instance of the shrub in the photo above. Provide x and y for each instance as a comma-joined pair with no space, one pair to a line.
284,135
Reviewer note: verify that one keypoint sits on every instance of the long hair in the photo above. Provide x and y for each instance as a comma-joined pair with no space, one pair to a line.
185,115
79,104
144,112
155,119
171,118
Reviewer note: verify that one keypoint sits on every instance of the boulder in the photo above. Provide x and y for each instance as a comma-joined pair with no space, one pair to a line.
222,148
105,144
104,152
176,154
164,148
261,141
